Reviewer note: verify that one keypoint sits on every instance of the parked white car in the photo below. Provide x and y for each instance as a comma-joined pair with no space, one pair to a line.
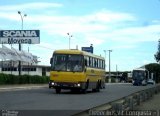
151,81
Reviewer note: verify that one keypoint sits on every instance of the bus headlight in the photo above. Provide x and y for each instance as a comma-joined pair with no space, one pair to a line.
52,83
77,85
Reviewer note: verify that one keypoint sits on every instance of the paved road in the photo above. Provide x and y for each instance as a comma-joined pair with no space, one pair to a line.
46,99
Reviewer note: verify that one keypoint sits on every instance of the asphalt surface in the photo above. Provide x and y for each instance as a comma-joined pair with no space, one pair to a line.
42,98
21,87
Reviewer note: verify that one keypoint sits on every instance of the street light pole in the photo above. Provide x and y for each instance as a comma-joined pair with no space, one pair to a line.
109,64
105,58
69,38
19,12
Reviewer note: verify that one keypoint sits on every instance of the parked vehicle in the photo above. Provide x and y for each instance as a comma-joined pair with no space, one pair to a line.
151,81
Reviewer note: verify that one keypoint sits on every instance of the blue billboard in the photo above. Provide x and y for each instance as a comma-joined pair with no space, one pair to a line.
88,49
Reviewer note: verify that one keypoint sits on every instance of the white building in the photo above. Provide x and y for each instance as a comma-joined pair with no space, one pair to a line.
11,67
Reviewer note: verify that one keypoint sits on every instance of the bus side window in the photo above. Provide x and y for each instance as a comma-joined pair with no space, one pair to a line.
103,64
90,61
85,62
94,63
98,63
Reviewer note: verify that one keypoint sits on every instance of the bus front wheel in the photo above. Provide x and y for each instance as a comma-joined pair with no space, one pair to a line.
86,87
58,90
97,89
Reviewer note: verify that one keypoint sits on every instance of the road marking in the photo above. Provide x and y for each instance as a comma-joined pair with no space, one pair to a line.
117,83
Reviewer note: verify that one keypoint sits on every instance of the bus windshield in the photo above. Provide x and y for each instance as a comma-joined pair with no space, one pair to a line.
139,75
67,62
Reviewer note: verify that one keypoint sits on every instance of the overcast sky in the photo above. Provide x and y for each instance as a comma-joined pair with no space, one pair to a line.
131,28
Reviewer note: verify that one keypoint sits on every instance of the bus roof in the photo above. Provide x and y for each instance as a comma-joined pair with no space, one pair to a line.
75,51
140,69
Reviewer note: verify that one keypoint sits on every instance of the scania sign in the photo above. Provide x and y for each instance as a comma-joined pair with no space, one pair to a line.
19,36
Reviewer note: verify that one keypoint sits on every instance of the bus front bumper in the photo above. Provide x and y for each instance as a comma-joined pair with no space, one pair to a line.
65,85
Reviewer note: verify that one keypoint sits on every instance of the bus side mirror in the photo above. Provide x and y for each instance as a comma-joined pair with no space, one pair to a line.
51,60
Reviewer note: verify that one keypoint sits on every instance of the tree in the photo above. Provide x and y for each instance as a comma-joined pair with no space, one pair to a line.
155,69
157,55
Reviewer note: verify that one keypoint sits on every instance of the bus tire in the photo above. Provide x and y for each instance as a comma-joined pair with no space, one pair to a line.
58,90
84,91
97,89
86,87
100,85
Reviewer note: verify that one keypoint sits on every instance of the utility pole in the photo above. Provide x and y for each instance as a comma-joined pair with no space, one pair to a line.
105,58
109,65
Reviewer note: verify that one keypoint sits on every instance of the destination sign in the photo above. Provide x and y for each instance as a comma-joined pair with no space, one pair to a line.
19,36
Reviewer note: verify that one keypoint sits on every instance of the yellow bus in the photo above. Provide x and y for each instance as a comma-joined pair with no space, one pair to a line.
76,70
